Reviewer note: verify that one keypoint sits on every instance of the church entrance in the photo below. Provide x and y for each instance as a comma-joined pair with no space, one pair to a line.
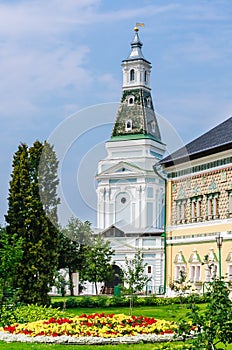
115,280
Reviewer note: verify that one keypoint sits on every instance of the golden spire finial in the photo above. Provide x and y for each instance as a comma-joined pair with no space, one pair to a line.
136,29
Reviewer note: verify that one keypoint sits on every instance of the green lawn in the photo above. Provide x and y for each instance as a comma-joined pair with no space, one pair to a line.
169,312
23,346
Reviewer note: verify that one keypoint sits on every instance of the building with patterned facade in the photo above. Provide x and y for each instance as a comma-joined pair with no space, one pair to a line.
199,207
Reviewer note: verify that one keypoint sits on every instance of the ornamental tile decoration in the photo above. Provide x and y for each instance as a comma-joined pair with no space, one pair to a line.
207,184
196,189
213,186
188,184
204,180
223,176
181,193
174,187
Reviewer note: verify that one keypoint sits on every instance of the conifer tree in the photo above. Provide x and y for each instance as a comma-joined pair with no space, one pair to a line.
27,218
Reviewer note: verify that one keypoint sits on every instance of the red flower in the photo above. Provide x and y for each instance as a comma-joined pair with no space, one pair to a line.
10,329
59,321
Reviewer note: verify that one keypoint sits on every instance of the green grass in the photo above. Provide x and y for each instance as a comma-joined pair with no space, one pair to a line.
170,312
24,346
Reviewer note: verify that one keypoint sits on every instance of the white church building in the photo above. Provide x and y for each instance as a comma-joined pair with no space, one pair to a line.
130,212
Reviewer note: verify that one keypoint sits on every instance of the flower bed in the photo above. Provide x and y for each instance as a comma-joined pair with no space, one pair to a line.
94,328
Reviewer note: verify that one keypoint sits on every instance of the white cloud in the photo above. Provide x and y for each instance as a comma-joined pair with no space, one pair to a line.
48,18
26,76
43,17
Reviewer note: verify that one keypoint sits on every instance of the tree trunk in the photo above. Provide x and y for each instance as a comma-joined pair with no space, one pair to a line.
70,281
95,283
131,304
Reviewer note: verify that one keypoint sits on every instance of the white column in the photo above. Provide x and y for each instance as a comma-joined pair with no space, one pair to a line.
75,279
137,207
101,209
107,208
143,206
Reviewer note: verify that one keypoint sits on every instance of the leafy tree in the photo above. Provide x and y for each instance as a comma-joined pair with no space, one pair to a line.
98,261
215,324
133,275
26,217
10,255
74,239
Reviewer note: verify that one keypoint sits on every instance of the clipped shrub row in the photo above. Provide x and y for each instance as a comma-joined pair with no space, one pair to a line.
111,301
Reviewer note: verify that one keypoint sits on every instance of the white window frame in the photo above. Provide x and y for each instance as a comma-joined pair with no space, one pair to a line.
128,122
195,273
130,100
179,267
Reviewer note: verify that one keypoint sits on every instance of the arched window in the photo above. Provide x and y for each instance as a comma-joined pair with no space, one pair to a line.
131,100
132,75
128,125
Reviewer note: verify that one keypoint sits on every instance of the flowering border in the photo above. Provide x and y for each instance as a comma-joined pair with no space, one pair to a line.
63,339
92,329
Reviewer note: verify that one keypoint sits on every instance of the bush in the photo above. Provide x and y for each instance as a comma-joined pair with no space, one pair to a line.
119,301
57,305
114,301
71,303
29,313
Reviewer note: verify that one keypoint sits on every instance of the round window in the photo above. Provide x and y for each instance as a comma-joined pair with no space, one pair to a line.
123,200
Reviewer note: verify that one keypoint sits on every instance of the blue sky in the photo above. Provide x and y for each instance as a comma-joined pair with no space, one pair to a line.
60,56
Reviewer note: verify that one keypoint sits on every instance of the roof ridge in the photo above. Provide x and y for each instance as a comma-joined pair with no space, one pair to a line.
218,136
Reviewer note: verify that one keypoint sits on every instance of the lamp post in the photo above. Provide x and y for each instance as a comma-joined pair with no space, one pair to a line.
158,170
219,240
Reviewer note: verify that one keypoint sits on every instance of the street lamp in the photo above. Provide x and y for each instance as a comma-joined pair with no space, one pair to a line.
160,172
219,240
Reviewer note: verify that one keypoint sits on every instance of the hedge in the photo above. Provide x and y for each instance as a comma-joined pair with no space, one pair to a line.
109,301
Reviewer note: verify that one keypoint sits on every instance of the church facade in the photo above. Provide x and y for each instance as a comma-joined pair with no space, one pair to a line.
130,194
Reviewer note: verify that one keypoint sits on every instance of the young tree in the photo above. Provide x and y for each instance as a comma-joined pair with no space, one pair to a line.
133,275
215,324
98,262
74,238
181,286
27,218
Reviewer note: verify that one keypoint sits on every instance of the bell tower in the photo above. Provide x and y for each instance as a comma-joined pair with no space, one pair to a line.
136,114
129,192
